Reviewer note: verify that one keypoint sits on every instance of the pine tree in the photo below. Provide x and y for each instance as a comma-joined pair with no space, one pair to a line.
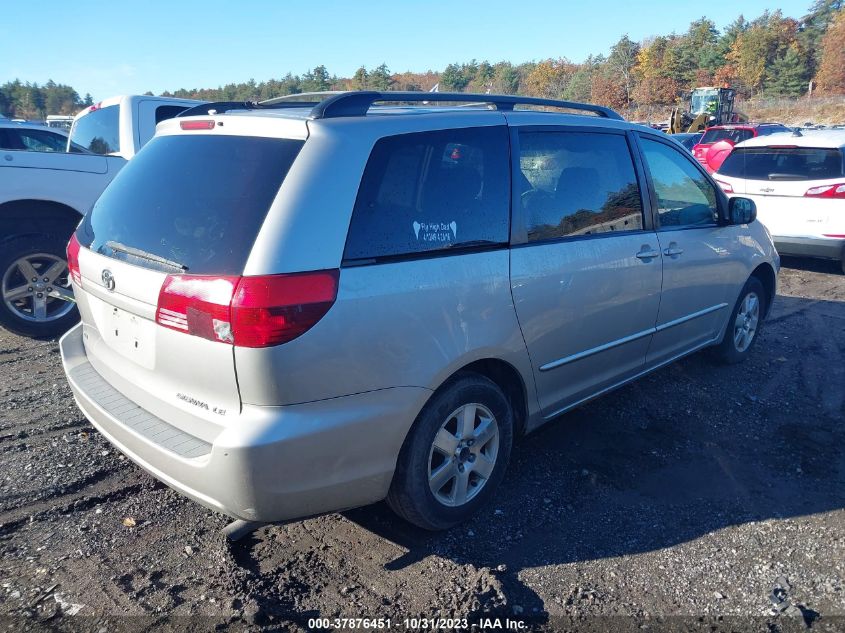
788,75
380,78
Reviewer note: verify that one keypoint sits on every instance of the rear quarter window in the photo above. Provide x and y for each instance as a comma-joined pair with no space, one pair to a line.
192,203
783,163
432,191
97,131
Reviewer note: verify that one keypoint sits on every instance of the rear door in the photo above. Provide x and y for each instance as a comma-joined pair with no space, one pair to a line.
779,179
699,274
190,204
585,264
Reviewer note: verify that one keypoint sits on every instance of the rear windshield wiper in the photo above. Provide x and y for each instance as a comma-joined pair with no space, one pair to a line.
787,177
141,254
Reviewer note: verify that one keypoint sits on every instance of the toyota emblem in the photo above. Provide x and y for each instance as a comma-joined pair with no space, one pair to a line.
108,279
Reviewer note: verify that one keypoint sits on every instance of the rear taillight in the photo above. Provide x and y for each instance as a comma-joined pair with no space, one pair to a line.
197,305
726,186
275,309
73,260
246,311
826,191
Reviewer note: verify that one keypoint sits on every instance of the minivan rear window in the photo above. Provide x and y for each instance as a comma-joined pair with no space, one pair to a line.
783,163
190,203
97,131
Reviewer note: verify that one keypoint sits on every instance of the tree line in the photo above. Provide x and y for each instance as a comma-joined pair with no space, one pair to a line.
771,55
25,100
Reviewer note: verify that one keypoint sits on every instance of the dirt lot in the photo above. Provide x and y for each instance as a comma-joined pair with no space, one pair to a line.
701,490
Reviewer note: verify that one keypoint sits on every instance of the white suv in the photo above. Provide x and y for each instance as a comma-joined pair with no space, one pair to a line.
797,181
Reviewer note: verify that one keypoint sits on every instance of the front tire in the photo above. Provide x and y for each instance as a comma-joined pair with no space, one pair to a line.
35,295
455,454
745,323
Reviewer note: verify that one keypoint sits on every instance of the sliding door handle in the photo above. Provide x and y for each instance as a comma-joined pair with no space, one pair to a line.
647,253
673,250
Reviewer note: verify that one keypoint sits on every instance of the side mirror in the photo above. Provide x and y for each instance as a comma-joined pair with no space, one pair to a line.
741,211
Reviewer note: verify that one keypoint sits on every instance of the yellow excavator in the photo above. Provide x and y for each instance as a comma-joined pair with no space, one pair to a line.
706,107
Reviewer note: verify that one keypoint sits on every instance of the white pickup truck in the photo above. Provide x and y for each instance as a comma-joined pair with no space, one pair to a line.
43,195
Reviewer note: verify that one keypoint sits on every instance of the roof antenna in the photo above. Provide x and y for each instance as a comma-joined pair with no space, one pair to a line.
796,132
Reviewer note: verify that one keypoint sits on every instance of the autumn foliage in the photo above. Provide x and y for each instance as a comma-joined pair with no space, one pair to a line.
831,76
770,56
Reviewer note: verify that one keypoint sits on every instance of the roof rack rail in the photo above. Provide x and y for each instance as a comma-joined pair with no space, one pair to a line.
357,103
297,97
287,101
217,107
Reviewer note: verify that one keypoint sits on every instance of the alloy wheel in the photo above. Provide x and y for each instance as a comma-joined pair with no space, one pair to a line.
36,288
747,321
463,454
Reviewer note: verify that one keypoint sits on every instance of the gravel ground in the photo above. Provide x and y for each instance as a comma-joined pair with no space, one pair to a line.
699,492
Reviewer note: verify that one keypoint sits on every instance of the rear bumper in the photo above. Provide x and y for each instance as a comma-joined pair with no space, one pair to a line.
827,248
269,464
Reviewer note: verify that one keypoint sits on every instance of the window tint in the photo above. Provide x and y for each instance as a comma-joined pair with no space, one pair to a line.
430,191
32,140
737,136
576,183
684,196
783,163
98,131
11,139
42,141
191,201
167,112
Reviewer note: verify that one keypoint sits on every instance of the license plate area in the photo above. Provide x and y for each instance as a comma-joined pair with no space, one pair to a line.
129,335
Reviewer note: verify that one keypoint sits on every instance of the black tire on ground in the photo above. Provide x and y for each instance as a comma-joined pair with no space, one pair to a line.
13,250
410,494
727,351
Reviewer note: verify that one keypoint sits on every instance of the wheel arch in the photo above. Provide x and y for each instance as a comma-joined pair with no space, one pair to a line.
508,379
27,216
766,275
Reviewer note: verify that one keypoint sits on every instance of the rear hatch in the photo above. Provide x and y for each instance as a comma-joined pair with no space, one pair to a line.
170,234
795,188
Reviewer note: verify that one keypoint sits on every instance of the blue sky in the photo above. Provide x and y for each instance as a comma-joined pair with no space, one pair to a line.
120,47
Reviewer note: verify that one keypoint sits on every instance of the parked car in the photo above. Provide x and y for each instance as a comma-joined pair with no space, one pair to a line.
59,121
798,184
687,139
288,311
29,137
44,193
719,140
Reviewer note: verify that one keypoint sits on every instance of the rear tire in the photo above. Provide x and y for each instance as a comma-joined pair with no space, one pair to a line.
42,308
455,454
745,323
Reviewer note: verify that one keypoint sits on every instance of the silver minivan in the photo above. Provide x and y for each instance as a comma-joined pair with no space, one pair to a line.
293,308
